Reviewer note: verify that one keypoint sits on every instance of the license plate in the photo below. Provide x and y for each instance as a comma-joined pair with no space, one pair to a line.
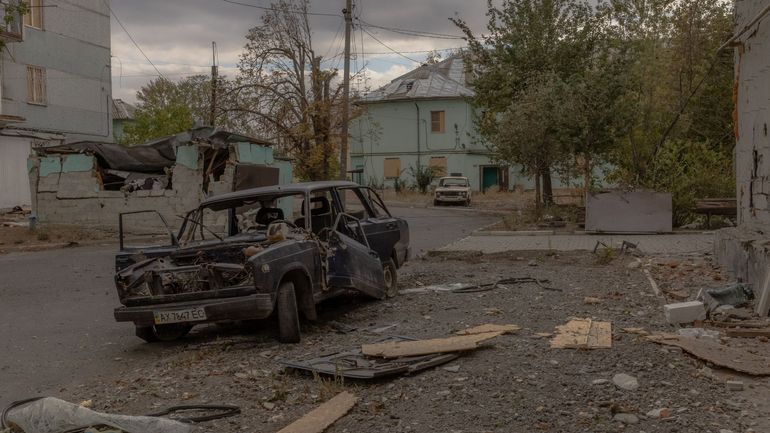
177,316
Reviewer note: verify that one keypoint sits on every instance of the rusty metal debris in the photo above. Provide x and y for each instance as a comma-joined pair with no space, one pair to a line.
353,364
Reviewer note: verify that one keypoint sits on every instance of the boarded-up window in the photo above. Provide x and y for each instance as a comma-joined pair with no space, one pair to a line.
392,168
35,85
439,165
34,18
436,121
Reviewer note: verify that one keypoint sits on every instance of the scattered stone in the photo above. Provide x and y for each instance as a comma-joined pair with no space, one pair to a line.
532,263
626,418
723,430
735,385
634,265
625,381
700,333
444,393
663,412
452,368
267,405
590,300
600,381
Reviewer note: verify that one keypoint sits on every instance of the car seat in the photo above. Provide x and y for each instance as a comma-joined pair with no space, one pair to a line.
266,215
320,214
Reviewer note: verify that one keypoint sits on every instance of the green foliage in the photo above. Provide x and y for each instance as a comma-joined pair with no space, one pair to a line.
691,170
162,111
423,177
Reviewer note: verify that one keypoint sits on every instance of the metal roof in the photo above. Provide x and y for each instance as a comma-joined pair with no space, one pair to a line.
122,110
292,188
445,79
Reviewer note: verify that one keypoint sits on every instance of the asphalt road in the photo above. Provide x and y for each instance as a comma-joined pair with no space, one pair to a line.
56,323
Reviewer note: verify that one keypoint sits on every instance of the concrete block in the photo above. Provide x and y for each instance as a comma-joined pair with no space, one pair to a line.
684,312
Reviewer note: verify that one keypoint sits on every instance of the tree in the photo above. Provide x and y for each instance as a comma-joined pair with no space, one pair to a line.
287,94
526,39
161,111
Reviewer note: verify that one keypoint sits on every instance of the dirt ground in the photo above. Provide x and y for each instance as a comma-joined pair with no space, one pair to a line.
514,383
15,234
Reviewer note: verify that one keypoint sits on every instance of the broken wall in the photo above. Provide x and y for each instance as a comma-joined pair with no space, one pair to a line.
68,188
743,251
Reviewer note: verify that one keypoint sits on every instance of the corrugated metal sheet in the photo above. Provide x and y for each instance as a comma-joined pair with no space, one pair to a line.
122,110
445,79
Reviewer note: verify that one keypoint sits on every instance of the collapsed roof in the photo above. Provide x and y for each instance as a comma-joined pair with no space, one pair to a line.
153,156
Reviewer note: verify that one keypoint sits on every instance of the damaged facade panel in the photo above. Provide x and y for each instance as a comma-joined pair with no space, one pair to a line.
743,250
91,183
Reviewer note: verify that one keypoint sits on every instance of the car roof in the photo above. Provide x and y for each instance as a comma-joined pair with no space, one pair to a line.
292,188
454,177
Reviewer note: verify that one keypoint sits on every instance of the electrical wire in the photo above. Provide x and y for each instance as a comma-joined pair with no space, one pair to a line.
388,47
291,11
411,32
160,74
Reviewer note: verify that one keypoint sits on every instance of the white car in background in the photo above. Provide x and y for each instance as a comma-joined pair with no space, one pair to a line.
452,189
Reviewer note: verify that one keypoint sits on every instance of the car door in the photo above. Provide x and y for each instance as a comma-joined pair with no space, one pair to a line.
152,232
382,229
352,264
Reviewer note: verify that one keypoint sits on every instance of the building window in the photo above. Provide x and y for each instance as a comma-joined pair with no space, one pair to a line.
437,121
35,85
392,168
438,163
34,18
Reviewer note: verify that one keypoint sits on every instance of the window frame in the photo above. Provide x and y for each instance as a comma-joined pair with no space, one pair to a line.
385,168
441,120
441,170
37,93
34,18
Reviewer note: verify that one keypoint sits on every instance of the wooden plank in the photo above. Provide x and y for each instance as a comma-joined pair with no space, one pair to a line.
747,333
572,335
655,288
489,327
600,336
320,418
717,354
763,299
583,334
398,349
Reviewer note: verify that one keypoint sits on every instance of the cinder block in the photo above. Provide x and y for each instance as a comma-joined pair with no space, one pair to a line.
684,312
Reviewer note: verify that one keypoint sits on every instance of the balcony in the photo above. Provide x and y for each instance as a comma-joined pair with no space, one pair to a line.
11,28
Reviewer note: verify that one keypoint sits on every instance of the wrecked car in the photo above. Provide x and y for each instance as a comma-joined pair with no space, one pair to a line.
251,254
452,189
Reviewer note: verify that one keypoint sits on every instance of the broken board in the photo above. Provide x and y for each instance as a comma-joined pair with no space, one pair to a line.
583,334
320,418
489,327
717,354
424,347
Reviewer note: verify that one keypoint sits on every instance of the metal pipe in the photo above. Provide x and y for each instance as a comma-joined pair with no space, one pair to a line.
418,136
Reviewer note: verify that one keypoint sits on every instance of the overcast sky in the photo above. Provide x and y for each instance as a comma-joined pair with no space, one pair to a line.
176,35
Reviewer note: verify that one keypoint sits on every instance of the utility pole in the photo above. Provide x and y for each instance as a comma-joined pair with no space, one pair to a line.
214,75
348,13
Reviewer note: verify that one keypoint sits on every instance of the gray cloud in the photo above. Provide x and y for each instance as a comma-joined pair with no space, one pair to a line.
177,34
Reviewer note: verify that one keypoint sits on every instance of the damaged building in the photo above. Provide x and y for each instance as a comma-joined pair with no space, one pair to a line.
91,183
744,250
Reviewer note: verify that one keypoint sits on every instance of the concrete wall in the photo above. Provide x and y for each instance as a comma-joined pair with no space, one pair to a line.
74,49
67,190
752,150
744,251
14,152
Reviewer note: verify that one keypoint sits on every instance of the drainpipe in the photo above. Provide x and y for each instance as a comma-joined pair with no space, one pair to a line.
418,135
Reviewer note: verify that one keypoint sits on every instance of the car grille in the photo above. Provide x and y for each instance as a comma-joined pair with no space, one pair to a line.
451,193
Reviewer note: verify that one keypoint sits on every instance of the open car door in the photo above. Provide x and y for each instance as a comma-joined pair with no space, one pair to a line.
352,264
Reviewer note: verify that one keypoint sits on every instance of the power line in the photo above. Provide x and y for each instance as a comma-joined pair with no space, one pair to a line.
388,47
132,39
410,32
291,11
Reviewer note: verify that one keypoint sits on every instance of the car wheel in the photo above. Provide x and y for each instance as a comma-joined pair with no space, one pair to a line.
435,202
467,203
288,316
170,332
391,278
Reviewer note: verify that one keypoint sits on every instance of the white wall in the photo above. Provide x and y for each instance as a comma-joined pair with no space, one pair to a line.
14,183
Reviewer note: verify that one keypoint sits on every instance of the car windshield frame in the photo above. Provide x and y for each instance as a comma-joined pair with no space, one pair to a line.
460,179
193,220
